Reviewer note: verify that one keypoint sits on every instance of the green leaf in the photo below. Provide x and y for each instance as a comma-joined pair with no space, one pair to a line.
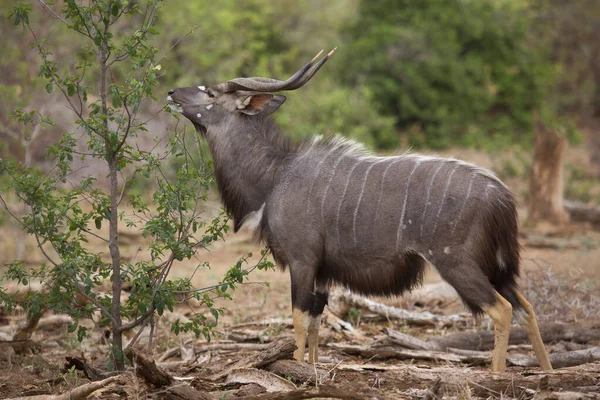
81,333
72,327
116,100
215,313
98,222
49,88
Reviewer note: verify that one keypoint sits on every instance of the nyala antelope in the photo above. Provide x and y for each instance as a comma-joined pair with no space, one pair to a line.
332,213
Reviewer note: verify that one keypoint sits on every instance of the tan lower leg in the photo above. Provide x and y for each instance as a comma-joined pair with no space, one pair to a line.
501,315
300,319
313,339
533,333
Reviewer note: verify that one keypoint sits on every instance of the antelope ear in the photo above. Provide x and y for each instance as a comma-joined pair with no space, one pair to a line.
265,103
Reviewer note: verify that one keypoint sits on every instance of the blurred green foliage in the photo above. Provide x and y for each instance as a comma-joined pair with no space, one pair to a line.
425,73
460,70
258,38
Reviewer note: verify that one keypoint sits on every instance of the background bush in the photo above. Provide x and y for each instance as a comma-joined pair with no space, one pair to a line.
429,74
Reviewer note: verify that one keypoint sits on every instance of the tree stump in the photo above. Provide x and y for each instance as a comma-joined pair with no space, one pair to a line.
546,186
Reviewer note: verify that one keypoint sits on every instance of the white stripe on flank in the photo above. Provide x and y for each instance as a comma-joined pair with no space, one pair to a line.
337,217
350,147
429,187
314,179
474,168
457,220
487,189
362,190
443,199
394,161
327,186
401,226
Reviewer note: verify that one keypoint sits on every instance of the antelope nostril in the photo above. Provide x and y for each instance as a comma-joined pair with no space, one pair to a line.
171,91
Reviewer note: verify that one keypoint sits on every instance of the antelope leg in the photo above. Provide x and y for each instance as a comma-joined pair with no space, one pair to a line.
501,315
301,323
313,338
533,332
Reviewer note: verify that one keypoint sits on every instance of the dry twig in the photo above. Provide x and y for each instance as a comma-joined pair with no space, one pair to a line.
79,393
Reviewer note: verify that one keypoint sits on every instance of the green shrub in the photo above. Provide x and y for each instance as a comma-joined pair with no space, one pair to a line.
327,109
458,70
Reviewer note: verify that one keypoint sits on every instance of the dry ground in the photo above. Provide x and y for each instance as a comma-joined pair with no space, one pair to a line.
560,277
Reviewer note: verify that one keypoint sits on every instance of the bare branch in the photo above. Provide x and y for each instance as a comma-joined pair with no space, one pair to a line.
52,12
177,43
138,320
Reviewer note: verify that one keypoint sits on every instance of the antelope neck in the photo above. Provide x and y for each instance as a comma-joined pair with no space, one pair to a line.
249,157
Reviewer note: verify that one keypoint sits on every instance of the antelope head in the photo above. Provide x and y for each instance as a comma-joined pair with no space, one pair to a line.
208,106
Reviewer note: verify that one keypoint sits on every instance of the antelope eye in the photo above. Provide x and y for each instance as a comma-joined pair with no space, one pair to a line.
209,93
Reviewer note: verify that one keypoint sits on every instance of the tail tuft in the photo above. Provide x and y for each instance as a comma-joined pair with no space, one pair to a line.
497,244
504,232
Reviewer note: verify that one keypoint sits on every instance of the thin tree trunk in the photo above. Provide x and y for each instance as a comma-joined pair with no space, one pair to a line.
545,202
111,159
116,267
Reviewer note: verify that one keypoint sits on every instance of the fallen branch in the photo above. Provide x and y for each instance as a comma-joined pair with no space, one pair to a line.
299,371
558,360
581,212
562,359
407,341
79,393
384,352
580,333
249,335
92,373
416,318
231,347
431,295
270,381
172,352
173,365
147,369
266,322
275,351
250,390
183,392
545,395
324,392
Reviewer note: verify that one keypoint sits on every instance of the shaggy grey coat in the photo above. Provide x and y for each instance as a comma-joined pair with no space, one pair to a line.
337,214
